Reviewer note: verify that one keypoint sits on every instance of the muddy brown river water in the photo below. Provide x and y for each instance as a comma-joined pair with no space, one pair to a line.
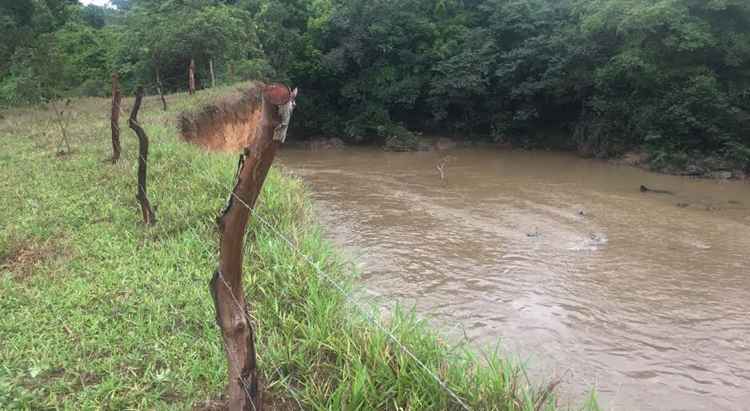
558,260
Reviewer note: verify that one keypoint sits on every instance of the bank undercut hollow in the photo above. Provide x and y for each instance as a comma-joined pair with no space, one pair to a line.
226,124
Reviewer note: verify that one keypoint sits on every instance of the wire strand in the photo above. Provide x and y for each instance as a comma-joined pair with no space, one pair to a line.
368,315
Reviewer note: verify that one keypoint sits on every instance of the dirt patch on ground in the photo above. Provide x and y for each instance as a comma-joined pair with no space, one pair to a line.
225,125
21,258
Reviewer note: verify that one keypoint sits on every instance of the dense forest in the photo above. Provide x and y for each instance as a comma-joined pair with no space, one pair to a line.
671,77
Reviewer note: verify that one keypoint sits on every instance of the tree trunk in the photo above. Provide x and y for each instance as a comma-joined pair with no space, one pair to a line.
115,119
159,90
191,77
211,69
149,218
243,390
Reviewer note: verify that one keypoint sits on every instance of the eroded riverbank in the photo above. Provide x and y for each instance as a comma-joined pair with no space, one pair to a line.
643,295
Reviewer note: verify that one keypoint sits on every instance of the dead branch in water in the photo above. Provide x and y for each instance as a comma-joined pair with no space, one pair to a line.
243,389
442,166
149,218
115,119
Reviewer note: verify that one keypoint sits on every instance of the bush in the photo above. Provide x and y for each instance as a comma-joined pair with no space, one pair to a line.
739,154
600,136
16,90
94,88
254,69
397,138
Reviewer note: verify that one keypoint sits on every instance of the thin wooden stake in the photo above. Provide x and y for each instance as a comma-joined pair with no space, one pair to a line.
115,118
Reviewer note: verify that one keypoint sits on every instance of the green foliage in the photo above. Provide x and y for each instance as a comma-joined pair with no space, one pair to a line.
612,75
668,75
398,138
164,37
253,69
30,58
666,81
85,56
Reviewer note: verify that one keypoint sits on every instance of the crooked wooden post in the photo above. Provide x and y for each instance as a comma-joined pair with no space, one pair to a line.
243,389
115,118
149,218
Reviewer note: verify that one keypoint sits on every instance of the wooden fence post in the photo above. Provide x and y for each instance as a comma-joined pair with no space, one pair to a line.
191,77
115,118
149,218
243,389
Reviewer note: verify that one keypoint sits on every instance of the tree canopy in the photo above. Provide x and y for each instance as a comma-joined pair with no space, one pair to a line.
600,76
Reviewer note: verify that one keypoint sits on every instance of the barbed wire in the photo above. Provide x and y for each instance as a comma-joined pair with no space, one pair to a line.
246,313
327,277
368,316
97,188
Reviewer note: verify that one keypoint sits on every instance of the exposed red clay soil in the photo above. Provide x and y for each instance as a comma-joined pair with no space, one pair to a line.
226,125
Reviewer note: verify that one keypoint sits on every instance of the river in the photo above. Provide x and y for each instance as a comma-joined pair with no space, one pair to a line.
557,260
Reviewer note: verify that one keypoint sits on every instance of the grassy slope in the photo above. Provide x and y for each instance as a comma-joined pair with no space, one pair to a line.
99,312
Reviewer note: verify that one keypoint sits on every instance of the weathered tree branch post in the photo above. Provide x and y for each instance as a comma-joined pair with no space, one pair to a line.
243,390
115,118
191,77
149,218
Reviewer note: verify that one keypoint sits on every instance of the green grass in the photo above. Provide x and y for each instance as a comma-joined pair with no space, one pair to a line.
100,312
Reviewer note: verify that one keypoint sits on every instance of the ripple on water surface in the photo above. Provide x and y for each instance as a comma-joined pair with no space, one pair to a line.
562,259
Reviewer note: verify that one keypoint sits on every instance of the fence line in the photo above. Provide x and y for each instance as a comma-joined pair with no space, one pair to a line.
368,316
98,188
296,249
246,313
